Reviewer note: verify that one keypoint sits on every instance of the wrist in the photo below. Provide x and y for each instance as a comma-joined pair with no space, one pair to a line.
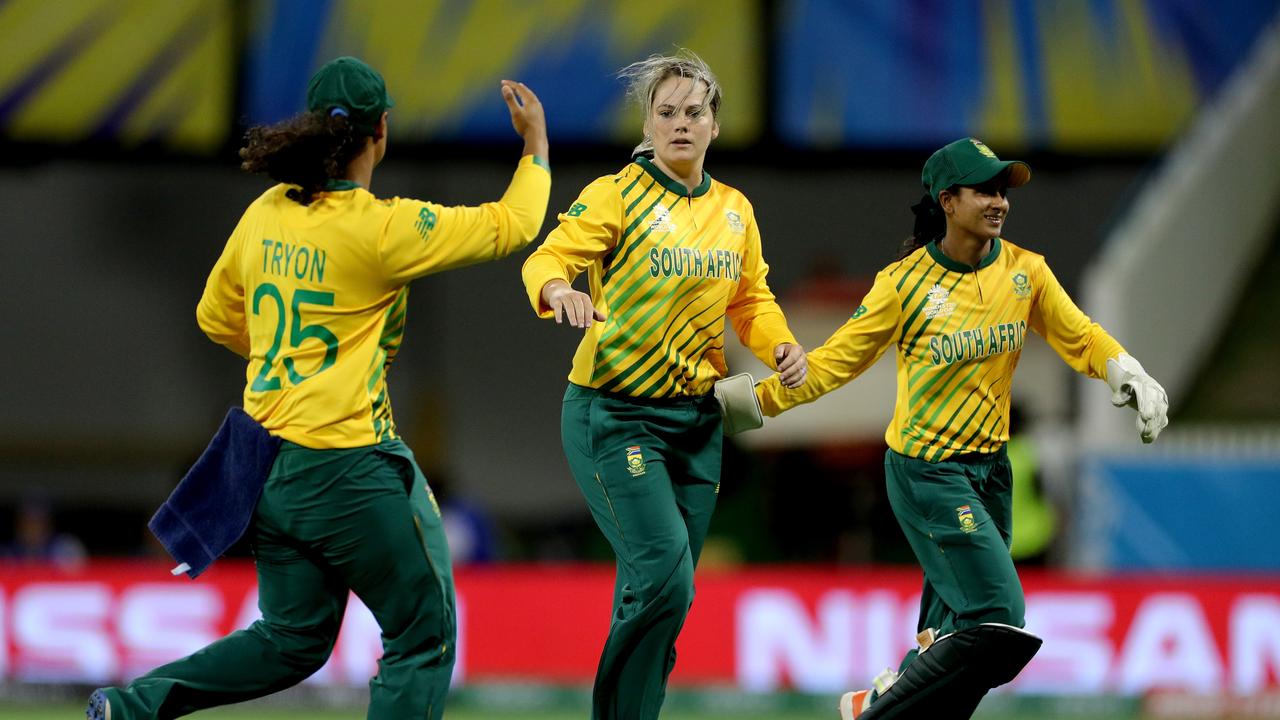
536,144
551,287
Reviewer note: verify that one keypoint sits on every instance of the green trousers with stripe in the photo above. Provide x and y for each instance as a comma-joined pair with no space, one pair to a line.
958,518
329,522
650,472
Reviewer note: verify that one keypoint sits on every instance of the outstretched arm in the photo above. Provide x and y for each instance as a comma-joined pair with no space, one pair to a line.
421,238
855,346
1090,350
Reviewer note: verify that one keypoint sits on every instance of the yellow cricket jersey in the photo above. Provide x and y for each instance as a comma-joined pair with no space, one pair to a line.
665,265
314,296
959,332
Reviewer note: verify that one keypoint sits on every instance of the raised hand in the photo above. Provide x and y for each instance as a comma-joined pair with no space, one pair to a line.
527,117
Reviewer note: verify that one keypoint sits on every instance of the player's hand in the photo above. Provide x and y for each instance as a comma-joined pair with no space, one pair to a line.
1132,386
569,304
793,364
527,117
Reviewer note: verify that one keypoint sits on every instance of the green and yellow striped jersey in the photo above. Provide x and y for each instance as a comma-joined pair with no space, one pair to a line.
314,296
665,265
959,332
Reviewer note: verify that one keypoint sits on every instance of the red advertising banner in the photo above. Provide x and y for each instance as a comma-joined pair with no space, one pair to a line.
810,629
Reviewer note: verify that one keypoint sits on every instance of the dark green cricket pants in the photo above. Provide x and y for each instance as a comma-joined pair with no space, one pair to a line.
328,521
957,516
650,471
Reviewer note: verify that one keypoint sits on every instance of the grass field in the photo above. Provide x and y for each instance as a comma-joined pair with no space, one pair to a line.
469,709
62,712
498,702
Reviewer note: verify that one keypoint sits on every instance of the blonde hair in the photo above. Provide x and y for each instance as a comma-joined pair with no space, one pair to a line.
644,77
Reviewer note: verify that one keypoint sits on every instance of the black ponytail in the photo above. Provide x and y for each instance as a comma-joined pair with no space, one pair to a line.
930,224
306,150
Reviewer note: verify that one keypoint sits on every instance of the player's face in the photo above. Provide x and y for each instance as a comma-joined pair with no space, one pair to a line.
981,209
681,124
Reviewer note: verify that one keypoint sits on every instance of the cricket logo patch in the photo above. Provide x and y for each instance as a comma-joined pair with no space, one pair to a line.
939,303
635,460
662,221
1021,286
862,310
982,148
964,514
735,222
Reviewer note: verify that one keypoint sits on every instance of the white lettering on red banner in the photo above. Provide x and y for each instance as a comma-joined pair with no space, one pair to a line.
765,630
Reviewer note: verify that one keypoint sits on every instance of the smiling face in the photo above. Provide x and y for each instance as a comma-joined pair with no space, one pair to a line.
978,210
681,125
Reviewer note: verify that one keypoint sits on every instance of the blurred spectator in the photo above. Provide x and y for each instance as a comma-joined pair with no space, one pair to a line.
36,540
1035,521
467,525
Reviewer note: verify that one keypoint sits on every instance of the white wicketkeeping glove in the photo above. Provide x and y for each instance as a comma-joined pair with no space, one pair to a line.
1132,386
738,403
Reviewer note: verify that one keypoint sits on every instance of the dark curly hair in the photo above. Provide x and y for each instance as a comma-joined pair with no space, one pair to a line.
306,150
930,224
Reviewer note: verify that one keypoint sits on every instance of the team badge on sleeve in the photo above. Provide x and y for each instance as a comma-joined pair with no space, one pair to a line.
862,310
964,514
635,461
426,222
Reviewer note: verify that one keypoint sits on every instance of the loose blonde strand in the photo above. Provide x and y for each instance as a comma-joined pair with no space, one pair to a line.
643,77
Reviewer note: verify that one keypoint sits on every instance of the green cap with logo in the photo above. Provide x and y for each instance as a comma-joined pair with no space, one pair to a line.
346,86
968,162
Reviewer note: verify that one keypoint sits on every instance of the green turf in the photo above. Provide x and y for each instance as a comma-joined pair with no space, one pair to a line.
62,712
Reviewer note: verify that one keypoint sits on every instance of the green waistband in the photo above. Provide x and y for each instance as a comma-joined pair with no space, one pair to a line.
579,391
972,458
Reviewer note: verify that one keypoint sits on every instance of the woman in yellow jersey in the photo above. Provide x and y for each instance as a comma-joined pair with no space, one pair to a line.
311,289
669,253
957,306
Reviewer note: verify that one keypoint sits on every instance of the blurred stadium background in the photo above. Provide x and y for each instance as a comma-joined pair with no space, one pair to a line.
1152,572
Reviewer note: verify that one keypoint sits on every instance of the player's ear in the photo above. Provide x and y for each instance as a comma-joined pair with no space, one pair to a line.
380,130
946,201
715,128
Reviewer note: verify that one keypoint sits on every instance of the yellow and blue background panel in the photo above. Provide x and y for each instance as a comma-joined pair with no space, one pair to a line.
1060,75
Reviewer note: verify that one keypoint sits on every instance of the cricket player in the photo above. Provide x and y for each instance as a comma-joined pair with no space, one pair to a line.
669,253
311,289
957,307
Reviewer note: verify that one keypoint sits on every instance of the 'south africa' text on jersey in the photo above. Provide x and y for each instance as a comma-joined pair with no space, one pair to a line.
687,262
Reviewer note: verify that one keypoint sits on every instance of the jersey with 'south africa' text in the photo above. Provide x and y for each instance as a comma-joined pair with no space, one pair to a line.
959,332
314,296
665,264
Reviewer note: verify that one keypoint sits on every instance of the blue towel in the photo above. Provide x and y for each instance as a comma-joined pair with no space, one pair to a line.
212,506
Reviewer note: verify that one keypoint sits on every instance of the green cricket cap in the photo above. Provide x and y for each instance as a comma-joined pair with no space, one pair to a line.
348,86
968,162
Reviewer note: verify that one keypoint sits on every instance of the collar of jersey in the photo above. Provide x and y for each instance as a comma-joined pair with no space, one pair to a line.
338,185
935,251
673,185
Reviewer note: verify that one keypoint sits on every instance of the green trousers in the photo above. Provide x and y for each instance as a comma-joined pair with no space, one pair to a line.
650,471
958,518
329,521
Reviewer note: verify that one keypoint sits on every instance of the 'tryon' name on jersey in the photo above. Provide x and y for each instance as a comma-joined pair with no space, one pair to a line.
969,344
286,260
687,262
